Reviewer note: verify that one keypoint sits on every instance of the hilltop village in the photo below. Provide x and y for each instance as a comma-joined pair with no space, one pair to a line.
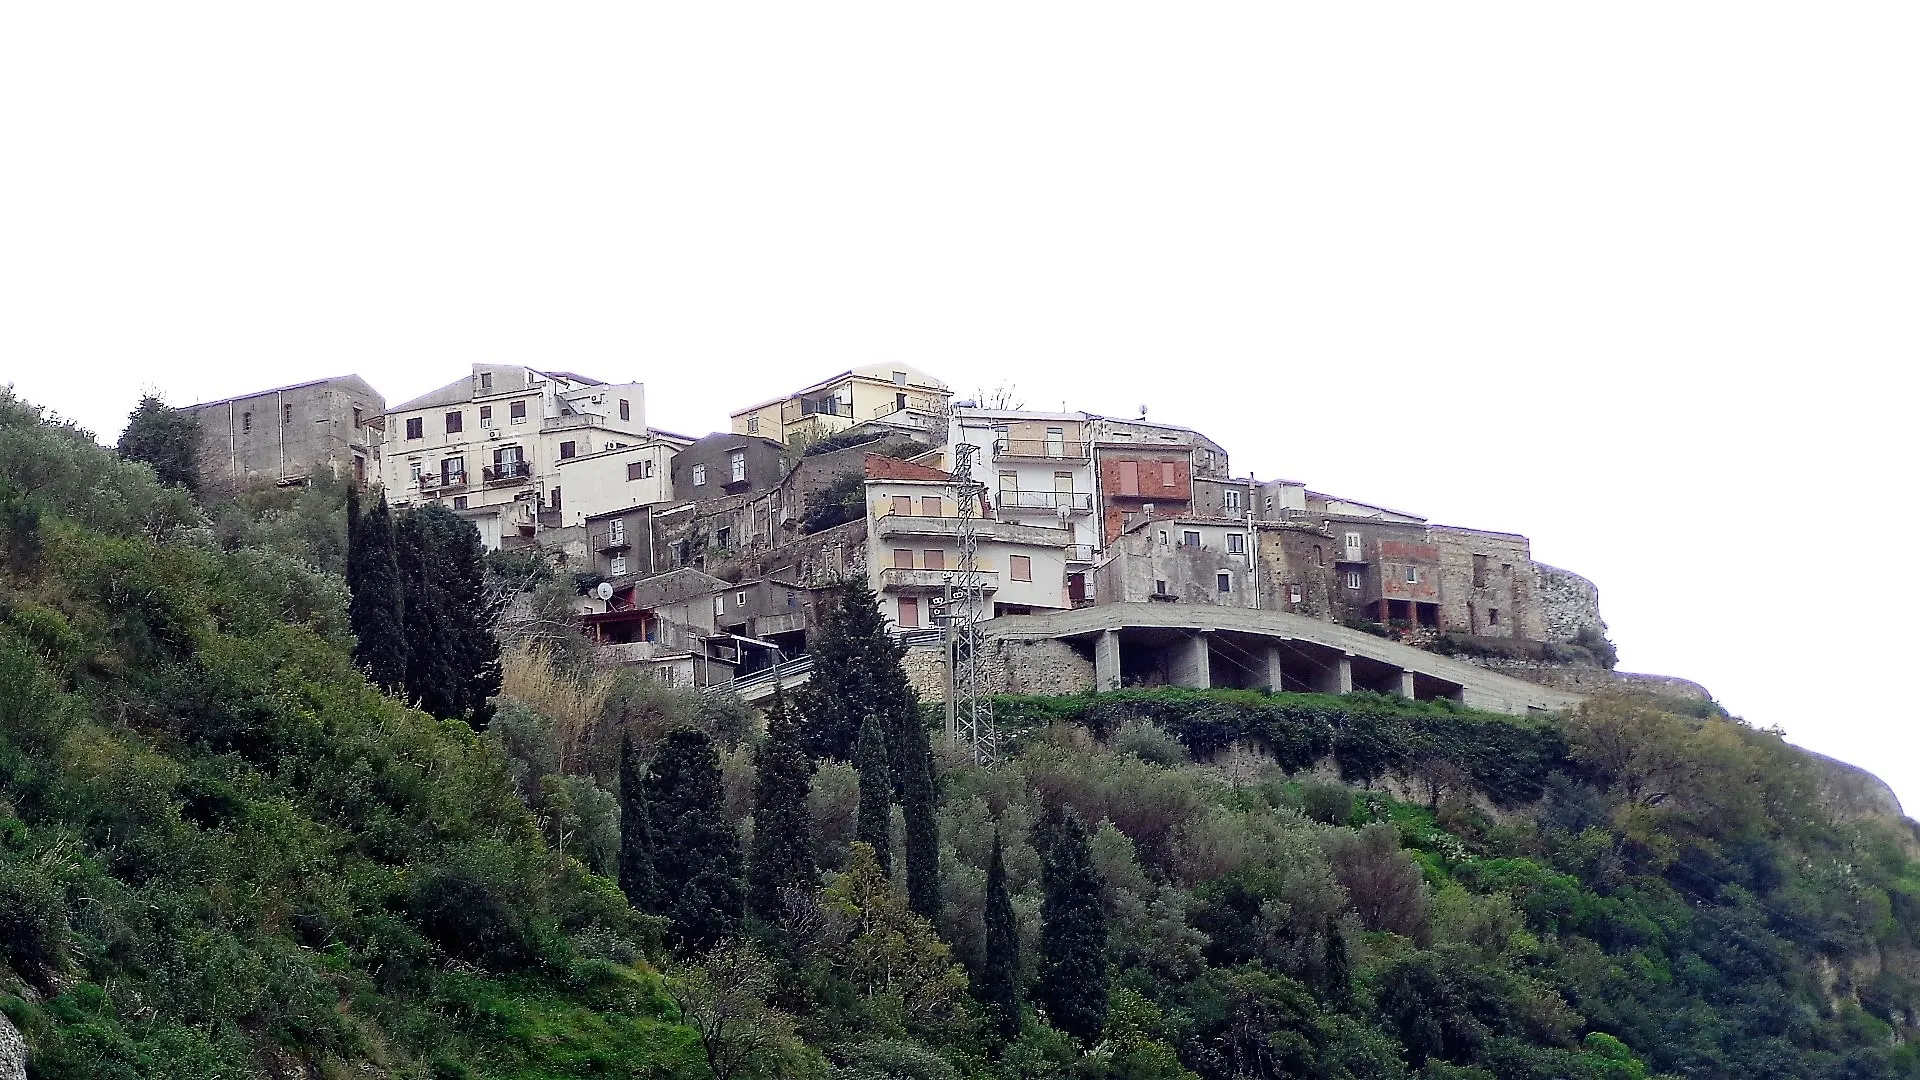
705,558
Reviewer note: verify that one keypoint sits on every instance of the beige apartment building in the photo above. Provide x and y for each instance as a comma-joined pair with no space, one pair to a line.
490,445
896,395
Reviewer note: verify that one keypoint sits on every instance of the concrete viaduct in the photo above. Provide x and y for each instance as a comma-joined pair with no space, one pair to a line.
1218,647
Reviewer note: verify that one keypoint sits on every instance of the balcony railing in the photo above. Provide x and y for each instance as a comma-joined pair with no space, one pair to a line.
505,471
1078,502
987,529
915,403
573,420
1079,553
442,481
1040,449
900,579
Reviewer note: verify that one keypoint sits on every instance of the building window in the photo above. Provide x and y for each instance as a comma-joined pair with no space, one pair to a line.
486,416
1493,616
568,449
723,538
416,427
1413,575
459,502
286,414
740,599
753,425
553,498
617,531
1020,567
517,412
933,506
357,423
1190,538
619,565
1167,477
901,506
793,600
899,378
246,422
1319,557
909,611
699,476
1163,538
637,470
1223,581
417,470
626,410
719,605
1353,579
486,382
1232,497
933,559
1479,571
1159,587
453,470
1293,594
737,463
1236,543
1269,505
455,420
903,558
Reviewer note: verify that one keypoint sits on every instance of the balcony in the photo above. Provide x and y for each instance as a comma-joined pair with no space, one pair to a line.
900,579
505,472
442,481
573,420
987,529
793,411
613,542
1039,450
915,403
1080,553
1074,502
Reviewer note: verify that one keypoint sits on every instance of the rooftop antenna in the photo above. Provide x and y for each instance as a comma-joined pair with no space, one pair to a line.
1143,412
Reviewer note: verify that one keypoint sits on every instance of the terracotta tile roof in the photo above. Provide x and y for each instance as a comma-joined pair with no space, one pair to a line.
880,467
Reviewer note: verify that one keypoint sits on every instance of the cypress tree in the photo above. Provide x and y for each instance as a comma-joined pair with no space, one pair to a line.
696,853
998,987
782,855
856,674
919,803
1073,931
167,439
636,831
875,824
453,660
376,610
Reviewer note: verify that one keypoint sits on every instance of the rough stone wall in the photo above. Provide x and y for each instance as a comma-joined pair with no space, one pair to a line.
822,558
1509,583
1567,603
13,1051
1588,680
810,475
1046,666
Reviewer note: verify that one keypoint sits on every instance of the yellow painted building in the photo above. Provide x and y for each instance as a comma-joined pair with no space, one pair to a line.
896,395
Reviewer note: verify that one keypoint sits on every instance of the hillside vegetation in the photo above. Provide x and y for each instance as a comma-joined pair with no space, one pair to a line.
224,854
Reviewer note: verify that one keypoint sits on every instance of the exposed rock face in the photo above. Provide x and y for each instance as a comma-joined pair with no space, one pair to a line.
1853,792
13,1051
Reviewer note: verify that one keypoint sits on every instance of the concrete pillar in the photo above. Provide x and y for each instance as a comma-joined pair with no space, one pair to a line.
1274,682
1338,676
1106,661
1406,684
1191,664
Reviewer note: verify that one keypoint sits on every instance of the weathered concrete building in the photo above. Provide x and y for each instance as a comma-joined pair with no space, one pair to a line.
286,434
665,624
1188,559
622,476
489,445
726,463
1038,468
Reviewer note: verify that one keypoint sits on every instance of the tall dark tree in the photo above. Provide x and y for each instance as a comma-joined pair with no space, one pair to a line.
377,608
998,985
919,807
696,853
782,856
166,438
856,674
1073,930
453,659
874,826
636,831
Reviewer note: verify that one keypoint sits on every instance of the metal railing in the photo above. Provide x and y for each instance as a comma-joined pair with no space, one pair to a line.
506,470
432,481
1048,449
791,410
1079,502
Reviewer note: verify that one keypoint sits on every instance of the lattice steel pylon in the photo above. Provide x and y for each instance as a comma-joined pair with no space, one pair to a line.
969,705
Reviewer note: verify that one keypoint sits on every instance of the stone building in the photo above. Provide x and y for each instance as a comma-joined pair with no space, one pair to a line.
1488,583
1187,559
285,434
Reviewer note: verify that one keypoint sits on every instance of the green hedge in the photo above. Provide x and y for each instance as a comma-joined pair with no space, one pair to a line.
1368,735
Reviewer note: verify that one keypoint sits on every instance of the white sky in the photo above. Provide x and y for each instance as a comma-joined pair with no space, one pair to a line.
1637,280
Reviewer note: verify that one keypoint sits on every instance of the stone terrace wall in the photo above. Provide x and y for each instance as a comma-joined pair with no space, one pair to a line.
1567,602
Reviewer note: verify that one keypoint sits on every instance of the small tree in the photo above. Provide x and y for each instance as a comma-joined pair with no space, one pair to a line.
723,999
844,499
782,855
874,825
377,608
998,987
1073,931
696,853
856,674
165,438
636,831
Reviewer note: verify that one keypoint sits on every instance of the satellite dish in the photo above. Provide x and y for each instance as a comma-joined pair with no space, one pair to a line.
1143,412
604,591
